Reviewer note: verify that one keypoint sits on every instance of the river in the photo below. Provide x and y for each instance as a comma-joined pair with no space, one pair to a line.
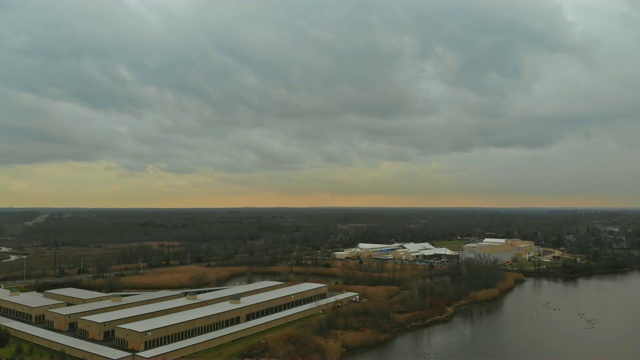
11,256
595,317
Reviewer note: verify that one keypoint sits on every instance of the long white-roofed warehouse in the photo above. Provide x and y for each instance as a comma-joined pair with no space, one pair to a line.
244,310
60,342
27,307
102,326
202,342
163,330
66,319
73,296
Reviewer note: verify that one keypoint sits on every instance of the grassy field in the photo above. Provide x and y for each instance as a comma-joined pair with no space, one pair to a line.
17,348
453,245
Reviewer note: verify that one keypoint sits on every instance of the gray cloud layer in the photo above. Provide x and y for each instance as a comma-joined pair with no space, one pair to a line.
246,86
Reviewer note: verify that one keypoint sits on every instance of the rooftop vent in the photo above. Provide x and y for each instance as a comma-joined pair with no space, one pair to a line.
192,296
116,298
14,292
235,299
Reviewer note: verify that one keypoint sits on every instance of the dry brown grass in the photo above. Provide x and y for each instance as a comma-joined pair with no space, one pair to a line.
508,282
181,277
296,270
317,271
359,339
125,267
198,276
333,348
295,344
483,295
378,293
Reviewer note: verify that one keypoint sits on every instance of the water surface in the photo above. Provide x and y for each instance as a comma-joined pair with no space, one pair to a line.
589,318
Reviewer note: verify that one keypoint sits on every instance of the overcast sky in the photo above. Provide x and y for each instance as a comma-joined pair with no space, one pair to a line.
319,103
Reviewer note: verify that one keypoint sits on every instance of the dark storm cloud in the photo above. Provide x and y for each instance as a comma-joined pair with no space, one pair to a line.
249,86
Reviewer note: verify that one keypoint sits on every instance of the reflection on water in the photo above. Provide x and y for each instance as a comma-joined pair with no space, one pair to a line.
14,257
11,257
594,317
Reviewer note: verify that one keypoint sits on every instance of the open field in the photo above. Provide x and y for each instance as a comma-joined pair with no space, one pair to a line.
17,348
453,245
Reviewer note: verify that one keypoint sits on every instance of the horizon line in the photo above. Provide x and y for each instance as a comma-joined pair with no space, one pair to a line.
577,208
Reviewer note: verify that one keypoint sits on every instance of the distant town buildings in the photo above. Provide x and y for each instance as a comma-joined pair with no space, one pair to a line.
501,250
396,251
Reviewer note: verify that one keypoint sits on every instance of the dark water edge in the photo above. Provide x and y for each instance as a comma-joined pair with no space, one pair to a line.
559,275
592,317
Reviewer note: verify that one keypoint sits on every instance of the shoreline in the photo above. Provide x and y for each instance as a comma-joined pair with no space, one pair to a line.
477,297
556,275
494,294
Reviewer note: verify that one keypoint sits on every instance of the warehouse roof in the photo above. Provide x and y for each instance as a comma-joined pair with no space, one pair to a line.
438,251
188,315
417,246
76,293
205,290
105,304
30,300
56,337
494,240
175,303
367,246
159,351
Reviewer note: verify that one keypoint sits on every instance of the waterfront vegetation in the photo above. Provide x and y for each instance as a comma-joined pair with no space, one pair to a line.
571,266
385,312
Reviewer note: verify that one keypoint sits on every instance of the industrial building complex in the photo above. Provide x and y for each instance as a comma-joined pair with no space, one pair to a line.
102,326
157,325
396,251
500,250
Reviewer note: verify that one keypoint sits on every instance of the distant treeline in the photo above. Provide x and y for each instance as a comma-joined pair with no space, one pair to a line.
272,235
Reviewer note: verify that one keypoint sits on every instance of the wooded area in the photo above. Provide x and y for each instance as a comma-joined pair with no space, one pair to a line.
95,241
